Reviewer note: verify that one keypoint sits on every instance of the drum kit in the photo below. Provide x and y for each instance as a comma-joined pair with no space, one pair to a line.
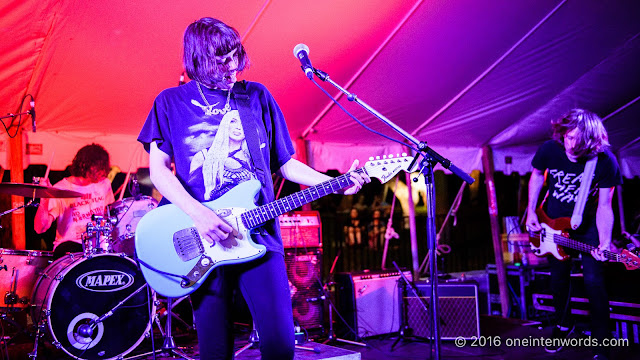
94,304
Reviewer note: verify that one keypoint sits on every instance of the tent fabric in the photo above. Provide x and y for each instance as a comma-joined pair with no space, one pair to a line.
459,75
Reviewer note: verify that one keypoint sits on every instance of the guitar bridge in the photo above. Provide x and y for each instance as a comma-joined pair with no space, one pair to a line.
188,244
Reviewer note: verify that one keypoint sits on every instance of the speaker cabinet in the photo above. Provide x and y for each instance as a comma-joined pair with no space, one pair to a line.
368,301
303,270
457,309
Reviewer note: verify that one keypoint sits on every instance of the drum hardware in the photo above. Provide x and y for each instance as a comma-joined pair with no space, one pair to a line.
163,313
18,274
128,213
93,285
96,238
86,330
169,346
36,191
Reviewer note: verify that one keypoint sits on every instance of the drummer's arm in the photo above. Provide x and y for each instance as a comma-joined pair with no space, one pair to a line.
43,220
209,225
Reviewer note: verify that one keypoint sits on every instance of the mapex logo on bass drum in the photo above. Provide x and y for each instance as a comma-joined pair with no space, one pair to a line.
105,280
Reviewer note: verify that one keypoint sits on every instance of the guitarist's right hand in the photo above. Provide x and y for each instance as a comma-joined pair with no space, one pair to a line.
533,224
210,226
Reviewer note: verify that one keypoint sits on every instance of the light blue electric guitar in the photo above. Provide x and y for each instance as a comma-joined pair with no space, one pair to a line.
175,260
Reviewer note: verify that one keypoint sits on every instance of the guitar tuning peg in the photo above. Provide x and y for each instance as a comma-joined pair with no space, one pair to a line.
384,156
390,156
370,158
404,154
377,157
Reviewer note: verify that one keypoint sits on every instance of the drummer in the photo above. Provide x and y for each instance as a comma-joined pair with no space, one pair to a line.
89,171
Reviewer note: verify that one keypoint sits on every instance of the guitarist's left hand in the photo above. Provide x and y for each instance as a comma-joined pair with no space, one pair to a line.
598,253
357,179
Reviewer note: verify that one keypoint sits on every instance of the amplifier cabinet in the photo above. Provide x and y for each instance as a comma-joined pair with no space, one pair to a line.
368,302
457,308
301,229
304,273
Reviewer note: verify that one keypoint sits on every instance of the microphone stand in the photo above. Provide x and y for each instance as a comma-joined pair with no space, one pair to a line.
430,159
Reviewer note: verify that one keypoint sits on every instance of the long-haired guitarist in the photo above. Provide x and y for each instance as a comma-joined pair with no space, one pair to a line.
221,132
577,137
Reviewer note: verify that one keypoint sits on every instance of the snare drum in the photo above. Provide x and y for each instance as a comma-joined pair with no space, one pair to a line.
19,270
128,212
76,290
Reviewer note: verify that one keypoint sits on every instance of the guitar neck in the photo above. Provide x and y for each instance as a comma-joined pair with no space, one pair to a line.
580,246
261,214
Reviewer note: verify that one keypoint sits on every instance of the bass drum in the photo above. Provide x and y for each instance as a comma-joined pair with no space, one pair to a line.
76,290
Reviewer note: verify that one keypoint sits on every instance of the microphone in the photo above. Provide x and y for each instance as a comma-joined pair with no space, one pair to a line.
85,330
301,52
32,111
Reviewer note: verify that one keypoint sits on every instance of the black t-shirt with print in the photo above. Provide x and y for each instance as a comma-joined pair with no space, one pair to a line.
564,179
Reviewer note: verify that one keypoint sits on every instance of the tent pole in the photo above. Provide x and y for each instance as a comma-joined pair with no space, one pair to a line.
17,176
487,164
623,228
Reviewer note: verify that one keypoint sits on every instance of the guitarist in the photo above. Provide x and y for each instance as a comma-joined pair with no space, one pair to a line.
577,137
220,132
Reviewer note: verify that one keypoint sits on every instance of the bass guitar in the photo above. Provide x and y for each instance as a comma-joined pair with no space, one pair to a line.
175,260
554,236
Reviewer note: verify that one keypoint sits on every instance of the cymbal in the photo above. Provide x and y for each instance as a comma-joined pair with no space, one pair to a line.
37,191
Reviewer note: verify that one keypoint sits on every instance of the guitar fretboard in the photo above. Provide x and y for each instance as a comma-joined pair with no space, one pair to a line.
257,216
580,246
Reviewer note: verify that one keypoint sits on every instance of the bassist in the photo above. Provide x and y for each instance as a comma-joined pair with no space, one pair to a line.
577,137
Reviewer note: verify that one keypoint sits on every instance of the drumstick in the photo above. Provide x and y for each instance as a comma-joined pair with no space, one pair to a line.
46,174
126,181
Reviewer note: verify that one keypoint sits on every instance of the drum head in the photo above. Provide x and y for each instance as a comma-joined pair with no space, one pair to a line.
89,289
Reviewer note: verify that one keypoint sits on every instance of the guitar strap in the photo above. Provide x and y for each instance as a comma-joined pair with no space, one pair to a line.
251,124
583,193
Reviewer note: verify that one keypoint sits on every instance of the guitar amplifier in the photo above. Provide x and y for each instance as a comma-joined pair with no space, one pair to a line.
368,301
457,308
301,229
304,273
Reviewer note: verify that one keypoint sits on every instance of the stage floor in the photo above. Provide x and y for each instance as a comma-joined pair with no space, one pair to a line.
378,348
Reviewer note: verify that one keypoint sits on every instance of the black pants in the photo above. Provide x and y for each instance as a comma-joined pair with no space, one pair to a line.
265,288
594,283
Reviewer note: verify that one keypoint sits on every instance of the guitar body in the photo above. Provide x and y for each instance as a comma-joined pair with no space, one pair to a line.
164,233
175,260
545,245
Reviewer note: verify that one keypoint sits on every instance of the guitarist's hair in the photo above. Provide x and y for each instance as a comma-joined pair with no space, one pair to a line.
592,138
205,39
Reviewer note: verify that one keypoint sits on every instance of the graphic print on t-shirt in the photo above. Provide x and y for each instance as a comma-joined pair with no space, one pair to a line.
566,185
221,155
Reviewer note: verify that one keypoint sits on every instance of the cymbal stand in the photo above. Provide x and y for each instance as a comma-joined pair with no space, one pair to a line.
39,334
326,296
254,338
168,344
331,336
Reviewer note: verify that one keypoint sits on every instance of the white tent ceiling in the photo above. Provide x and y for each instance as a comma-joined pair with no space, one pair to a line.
458,74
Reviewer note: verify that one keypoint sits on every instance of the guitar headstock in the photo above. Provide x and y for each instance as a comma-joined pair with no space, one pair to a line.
387,167
630,260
